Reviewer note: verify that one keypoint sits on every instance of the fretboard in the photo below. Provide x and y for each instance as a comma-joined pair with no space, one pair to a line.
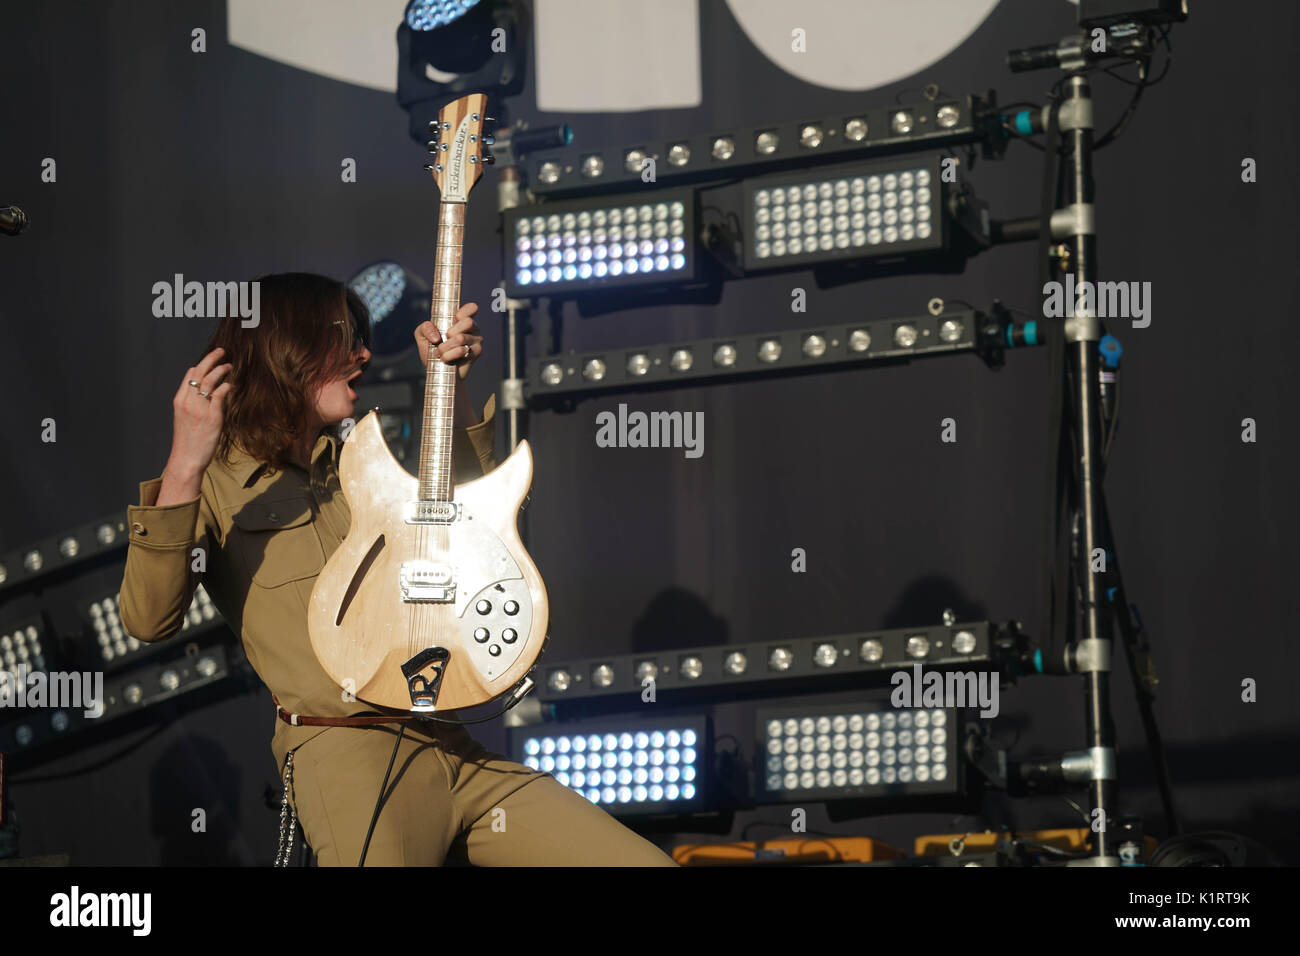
440,385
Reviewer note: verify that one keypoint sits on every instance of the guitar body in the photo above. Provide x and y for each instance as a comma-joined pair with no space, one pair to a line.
395,588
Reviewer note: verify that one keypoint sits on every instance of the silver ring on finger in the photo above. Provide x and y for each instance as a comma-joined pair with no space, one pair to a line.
467,351
207,395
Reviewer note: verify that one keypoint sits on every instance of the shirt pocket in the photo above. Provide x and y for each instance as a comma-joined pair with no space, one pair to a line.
278,541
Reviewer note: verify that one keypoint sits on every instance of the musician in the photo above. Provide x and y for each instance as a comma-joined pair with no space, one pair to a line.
249,504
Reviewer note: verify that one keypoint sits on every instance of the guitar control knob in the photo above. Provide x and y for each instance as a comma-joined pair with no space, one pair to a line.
511,607
509,635
481,634
495,650
483,607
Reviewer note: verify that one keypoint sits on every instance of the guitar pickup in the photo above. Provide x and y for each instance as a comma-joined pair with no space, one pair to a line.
431,512
424,582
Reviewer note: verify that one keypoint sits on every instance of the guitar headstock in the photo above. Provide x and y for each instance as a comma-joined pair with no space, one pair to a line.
459,146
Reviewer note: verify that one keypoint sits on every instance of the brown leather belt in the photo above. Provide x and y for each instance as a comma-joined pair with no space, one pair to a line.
299,720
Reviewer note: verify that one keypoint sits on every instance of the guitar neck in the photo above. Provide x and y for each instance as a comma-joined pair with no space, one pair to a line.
440,381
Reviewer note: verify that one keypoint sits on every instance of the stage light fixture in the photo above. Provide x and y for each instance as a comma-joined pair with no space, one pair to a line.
24,645
804,664
448,48
793,351
871,650
826,655
128,693
630,767
780,658
844,212
608,243
425,15
114,644
646,670
772,147
59,552
398,300
856,751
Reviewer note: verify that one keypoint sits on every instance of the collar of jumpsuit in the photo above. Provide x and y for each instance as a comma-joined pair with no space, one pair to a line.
325,454
268,535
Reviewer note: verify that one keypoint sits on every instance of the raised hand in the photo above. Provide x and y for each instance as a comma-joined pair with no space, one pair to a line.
462,346
197,413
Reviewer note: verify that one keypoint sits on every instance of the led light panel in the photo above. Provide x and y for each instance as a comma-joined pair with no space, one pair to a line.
596,244
115,644
633,767
837,213
856,751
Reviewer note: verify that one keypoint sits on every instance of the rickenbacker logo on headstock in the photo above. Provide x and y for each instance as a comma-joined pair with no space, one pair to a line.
456,168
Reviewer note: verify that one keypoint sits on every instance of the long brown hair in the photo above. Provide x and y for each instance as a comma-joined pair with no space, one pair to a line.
304,337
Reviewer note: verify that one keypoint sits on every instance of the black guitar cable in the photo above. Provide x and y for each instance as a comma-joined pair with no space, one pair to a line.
380,801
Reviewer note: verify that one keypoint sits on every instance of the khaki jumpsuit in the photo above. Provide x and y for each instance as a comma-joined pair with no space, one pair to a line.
266,537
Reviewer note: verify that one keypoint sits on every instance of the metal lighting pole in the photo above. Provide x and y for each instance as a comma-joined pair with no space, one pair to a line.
1075,223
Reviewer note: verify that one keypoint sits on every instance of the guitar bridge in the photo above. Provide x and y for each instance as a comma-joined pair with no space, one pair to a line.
424,690
427,582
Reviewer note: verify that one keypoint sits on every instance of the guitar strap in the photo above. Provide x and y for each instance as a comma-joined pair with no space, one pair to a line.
299,720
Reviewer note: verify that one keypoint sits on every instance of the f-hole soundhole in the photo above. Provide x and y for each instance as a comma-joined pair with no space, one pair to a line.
360,575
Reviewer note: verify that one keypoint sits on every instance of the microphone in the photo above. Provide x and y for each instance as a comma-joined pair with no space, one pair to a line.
12,220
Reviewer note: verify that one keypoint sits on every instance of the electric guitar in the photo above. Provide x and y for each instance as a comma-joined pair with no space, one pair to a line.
431,602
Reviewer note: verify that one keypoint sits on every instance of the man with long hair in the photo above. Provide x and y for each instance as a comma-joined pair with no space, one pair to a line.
249,504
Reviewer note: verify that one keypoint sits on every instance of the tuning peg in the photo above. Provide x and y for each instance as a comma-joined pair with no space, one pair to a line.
489,119
433,146
433,127
489,140
429,167
488,159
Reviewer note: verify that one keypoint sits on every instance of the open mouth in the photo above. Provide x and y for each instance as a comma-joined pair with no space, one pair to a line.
352,382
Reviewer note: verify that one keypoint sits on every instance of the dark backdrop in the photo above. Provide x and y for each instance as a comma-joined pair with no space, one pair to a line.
227,165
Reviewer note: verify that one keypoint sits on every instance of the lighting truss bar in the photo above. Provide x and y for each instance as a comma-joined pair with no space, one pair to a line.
732,152
21,566
772,668
629,767
791,351
30,730
857,751
637,239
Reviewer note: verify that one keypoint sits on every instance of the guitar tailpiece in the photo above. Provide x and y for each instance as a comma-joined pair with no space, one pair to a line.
424,692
